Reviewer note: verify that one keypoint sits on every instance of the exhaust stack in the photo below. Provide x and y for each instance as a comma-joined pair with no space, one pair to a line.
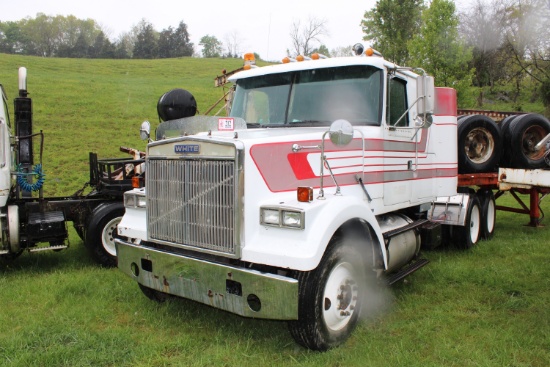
23,82
23,126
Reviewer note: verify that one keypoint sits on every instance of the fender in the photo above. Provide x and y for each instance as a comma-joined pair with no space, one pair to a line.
303,249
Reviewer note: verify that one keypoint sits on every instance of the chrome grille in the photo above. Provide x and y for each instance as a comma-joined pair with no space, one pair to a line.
191,203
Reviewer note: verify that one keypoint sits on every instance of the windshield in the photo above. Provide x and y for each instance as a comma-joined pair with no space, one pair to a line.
311,97
193,125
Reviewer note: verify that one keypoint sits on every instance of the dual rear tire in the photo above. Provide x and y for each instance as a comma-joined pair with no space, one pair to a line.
479,222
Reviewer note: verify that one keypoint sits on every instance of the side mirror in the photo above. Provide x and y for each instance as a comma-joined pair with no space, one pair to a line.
425,90
145,130
341,132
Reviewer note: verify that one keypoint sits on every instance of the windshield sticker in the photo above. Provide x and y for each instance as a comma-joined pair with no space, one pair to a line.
226,124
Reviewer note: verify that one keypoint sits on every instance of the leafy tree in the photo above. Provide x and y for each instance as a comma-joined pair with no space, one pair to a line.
211,46
482,28
304,37
165,43
11,37
175,43
438,49
43,35
390,25
81,47
528,34
323,50
181,41
124,46
146,45
102,47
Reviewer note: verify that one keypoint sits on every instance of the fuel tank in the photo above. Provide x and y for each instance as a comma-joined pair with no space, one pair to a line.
403,247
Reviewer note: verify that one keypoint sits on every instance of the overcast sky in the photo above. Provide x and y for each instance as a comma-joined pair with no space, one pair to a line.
262,26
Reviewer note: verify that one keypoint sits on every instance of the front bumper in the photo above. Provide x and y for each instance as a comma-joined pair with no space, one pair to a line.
245,292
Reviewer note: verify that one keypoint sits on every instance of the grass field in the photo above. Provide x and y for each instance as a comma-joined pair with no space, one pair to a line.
489,306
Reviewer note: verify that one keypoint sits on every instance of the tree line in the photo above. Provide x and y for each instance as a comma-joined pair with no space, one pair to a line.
68,36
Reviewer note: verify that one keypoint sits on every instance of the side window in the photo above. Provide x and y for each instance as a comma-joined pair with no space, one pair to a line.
397,103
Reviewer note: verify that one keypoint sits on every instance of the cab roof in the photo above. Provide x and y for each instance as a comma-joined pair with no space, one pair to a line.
377,62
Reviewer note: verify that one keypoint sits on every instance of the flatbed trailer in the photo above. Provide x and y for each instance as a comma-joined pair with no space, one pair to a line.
532,182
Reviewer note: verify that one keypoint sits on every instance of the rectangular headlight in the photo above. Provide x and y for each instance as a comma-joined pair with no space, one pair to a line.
292,219
282,217
270,216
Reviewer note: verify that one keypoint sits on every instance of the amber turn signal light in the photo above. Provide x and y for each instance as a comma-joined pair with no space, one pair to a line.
305,194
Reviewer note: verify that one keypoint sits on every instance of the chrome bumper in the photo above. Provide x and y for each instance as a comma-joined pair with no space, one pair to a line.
245,292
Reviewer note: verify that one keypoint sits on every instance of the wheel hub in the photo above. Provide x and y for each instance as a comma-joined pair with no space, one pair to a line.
479,145
340,297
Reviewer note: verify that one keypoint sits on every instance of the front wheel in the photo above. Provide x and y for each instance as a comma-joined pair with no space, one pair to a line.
102,231
330,298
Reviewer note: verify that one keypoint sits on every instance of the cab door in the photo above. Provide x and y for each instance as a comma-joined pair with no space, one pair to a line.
399,144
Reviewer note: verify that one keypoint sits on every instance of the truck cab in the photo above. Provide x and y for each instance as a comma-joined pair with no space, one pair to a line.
315,187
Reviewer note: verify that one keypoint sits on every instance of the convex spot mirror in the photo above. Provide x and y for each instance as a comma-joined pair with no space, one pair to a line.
341,132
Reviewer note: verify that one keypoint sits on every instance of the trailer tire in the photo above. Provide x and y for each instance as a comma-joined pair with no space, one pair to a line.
101,232
488,213
505,133
525,132
153,294
330,298
479,144
467,236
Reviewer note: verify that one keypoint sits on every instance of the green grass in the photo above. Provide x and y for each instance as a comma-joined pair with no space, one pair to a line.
485,307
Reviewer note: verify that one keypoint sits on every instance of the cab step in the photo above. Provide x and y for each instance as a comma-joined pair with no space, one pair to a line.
48,248
409,269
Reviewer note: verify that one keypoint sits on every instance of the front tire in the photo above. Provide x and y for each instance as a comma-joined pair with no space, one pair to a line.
102,231
330,298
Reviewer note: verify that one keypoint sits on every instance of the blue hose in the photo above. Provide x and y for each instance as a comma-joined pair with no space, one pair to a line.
24,183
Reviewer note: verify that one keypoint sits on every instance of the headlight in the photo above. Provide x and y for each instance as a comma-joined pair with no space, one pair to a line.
292,219
282,217
133,200
271,216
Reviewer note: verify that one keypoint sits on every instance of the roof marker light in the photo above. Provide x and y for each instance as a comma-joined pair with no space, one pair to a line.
287,60
317,56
